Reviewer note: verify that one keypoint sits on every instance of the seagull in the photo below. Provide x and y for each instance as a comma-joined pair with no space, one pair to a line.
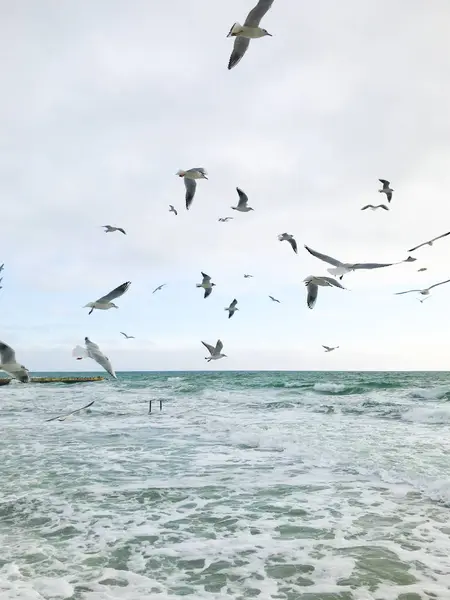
189,182
64,417
104,303
287,237
2,266
110,229
343,268
206,284
127,337
250,30
386,189
216,352
430,242
425,291
172,209
232,308
93,351
372,207
312,282
247,275
225,219
160,287
242,204
422,269
9,365
274,299
329,349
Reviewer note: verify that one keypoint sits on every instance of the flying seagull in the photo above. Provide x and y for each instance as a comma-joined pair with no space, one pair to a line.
189,182
386,189
374,207
104,303
343,268
160,287
64,417
243,200
225,219
232,308
274,299
2,266
127,337
329,348
215,353
422,269
312,282
430,242
172,209
250,30
247,275
425,291
110,229
93,351
206,284
10,365
287,237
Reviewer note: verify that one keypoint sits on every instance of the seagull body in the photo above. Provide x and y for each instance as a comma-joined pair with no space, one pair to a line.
430,242
329,348
160,287
10,365
64,417
215,352
110,229
287,237
190,184
225,219
342,269
232,308
247,275
243,200
386,189
127,337
425,291
93,351
206,284
274,299
374,207
312,284
104,303
248,31
172,209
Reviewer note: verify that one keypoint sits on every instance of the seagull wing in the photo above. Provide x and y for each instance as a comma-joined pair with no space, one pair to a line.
7,354
233,304
332,282
190,185
243,198
371,265
96,354
124,334
383,206
116,293
440,283
385,183
407,292
293,243
80,352
240,47
326,347
256,14
389,196
121,230
218,348
368,206
208,292
325,258
206,277
311,298
62,417
209,347
200,170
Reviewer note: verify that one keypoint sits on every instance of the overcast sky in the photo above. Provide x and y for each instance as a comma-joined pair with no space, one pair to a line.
103,101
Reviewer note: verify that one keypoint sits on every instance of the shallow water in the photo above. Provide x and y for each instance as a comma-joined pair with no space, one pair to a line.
294,486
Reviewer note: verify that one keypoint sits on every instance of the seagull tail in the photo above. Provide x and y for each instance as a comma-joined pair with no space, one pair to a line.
198,285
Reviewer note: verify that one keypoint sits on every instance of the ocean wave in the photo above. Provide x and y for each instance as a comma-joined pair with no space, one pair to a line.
438,393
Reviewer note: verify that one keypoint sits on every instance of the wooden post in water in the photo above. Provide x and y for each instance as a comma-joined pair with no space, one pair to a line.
150,406
160,405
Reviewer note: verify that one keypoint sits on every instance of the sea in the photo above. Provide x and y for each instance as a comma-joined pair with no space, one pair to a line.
237,485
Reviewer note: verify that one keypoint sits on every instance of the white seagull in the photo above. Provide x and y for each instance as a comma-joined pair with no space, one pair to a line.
312,282
430,242
232,308
243,200
160,287
225,219
127,337
343,268
206,284
93,351
425,291
110,229
422,269
215,353
10,365
386,189
73,412
274,299
287,237
329,348
247,275
172,209
104,303
190,184
250,30
374,207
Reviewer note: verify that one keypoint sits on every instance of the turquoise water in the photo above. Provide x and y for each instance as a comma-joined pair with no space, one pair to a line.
295,486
